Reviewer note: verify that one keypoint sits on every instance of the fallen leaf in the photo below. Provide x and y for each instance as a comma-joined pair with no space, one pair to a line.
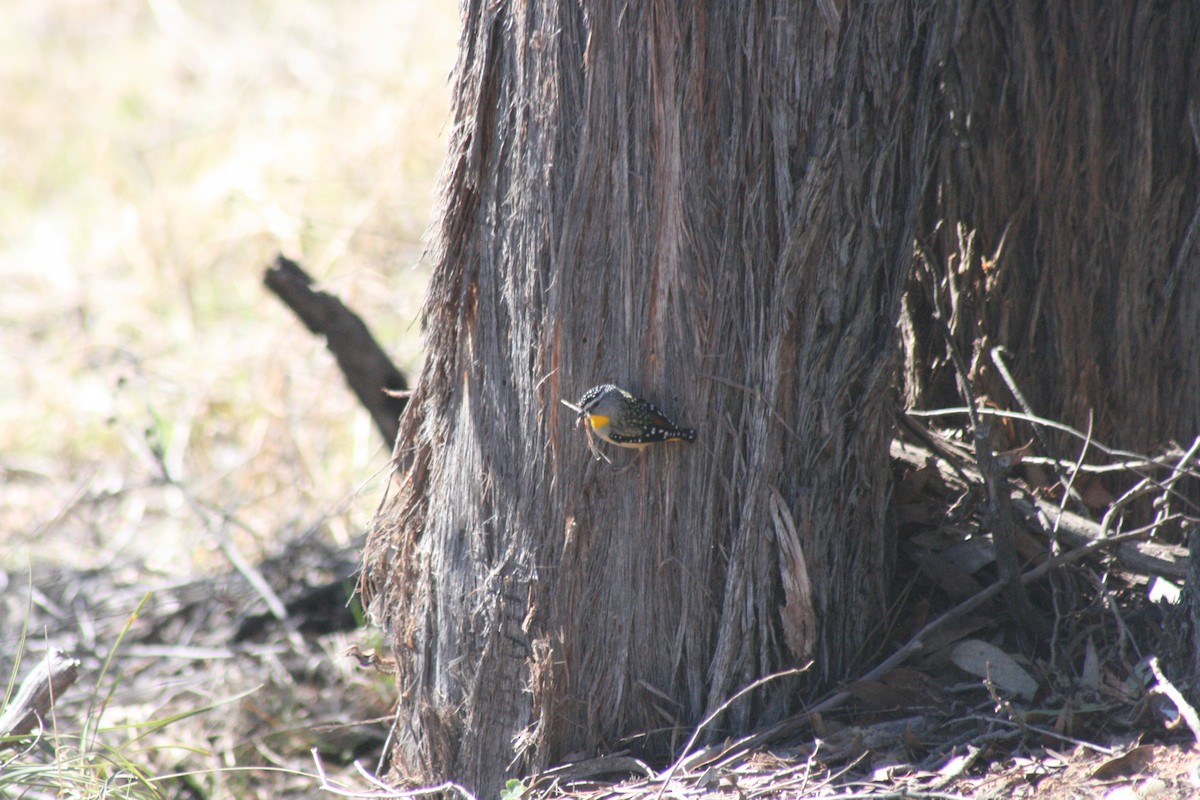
1090,674
1131,763
949,578
971,555
872,694
988,661
1093,493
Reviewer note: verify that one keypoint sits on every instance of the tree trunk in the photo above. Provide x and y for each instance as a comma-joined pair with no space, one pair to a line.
1073,150
712,206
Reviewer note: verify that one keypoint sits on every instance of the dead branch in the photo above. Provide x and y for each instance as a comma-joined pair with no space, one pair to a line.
914,645
44,684
376,381
1071,529
1186,710
994,470
1080,536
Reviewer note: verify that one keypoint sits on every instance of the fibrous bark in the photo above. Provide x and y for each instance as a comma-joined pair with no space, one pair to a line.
712,206
1071,165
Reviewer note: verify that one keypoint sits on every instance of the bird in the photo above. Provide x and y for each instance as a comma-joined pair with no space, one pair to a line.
626,420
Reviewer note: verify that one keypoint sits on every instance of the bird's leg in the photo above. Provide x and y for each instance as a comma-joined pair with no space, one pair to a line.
637,459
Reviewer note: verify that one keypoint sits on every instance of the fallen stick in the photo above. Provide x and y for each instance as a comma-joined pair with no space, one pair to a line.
42,686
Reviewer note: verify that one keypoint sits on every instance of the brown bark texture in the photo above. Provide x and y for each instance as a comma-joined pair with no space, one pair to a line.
712,205
1071,150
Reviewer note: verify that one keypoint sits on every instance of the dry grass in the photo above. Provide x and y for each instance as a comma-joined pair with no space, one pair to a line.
155,157
155,398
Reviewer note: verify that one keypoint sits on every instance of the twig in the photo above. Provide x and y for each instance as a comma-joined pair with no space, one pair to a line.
917,642
1177,473
1069,483
955,767
1071,528
995,478
1165,687
687,748
997,355
902,794
1023,726
1068,493
385,792
247,570
835,776
1134,459
588,430
994,470
1137,490
252,575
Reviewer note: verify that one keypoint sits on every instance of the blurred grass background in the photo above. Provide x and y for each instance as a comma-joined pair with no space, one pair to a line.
156,155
